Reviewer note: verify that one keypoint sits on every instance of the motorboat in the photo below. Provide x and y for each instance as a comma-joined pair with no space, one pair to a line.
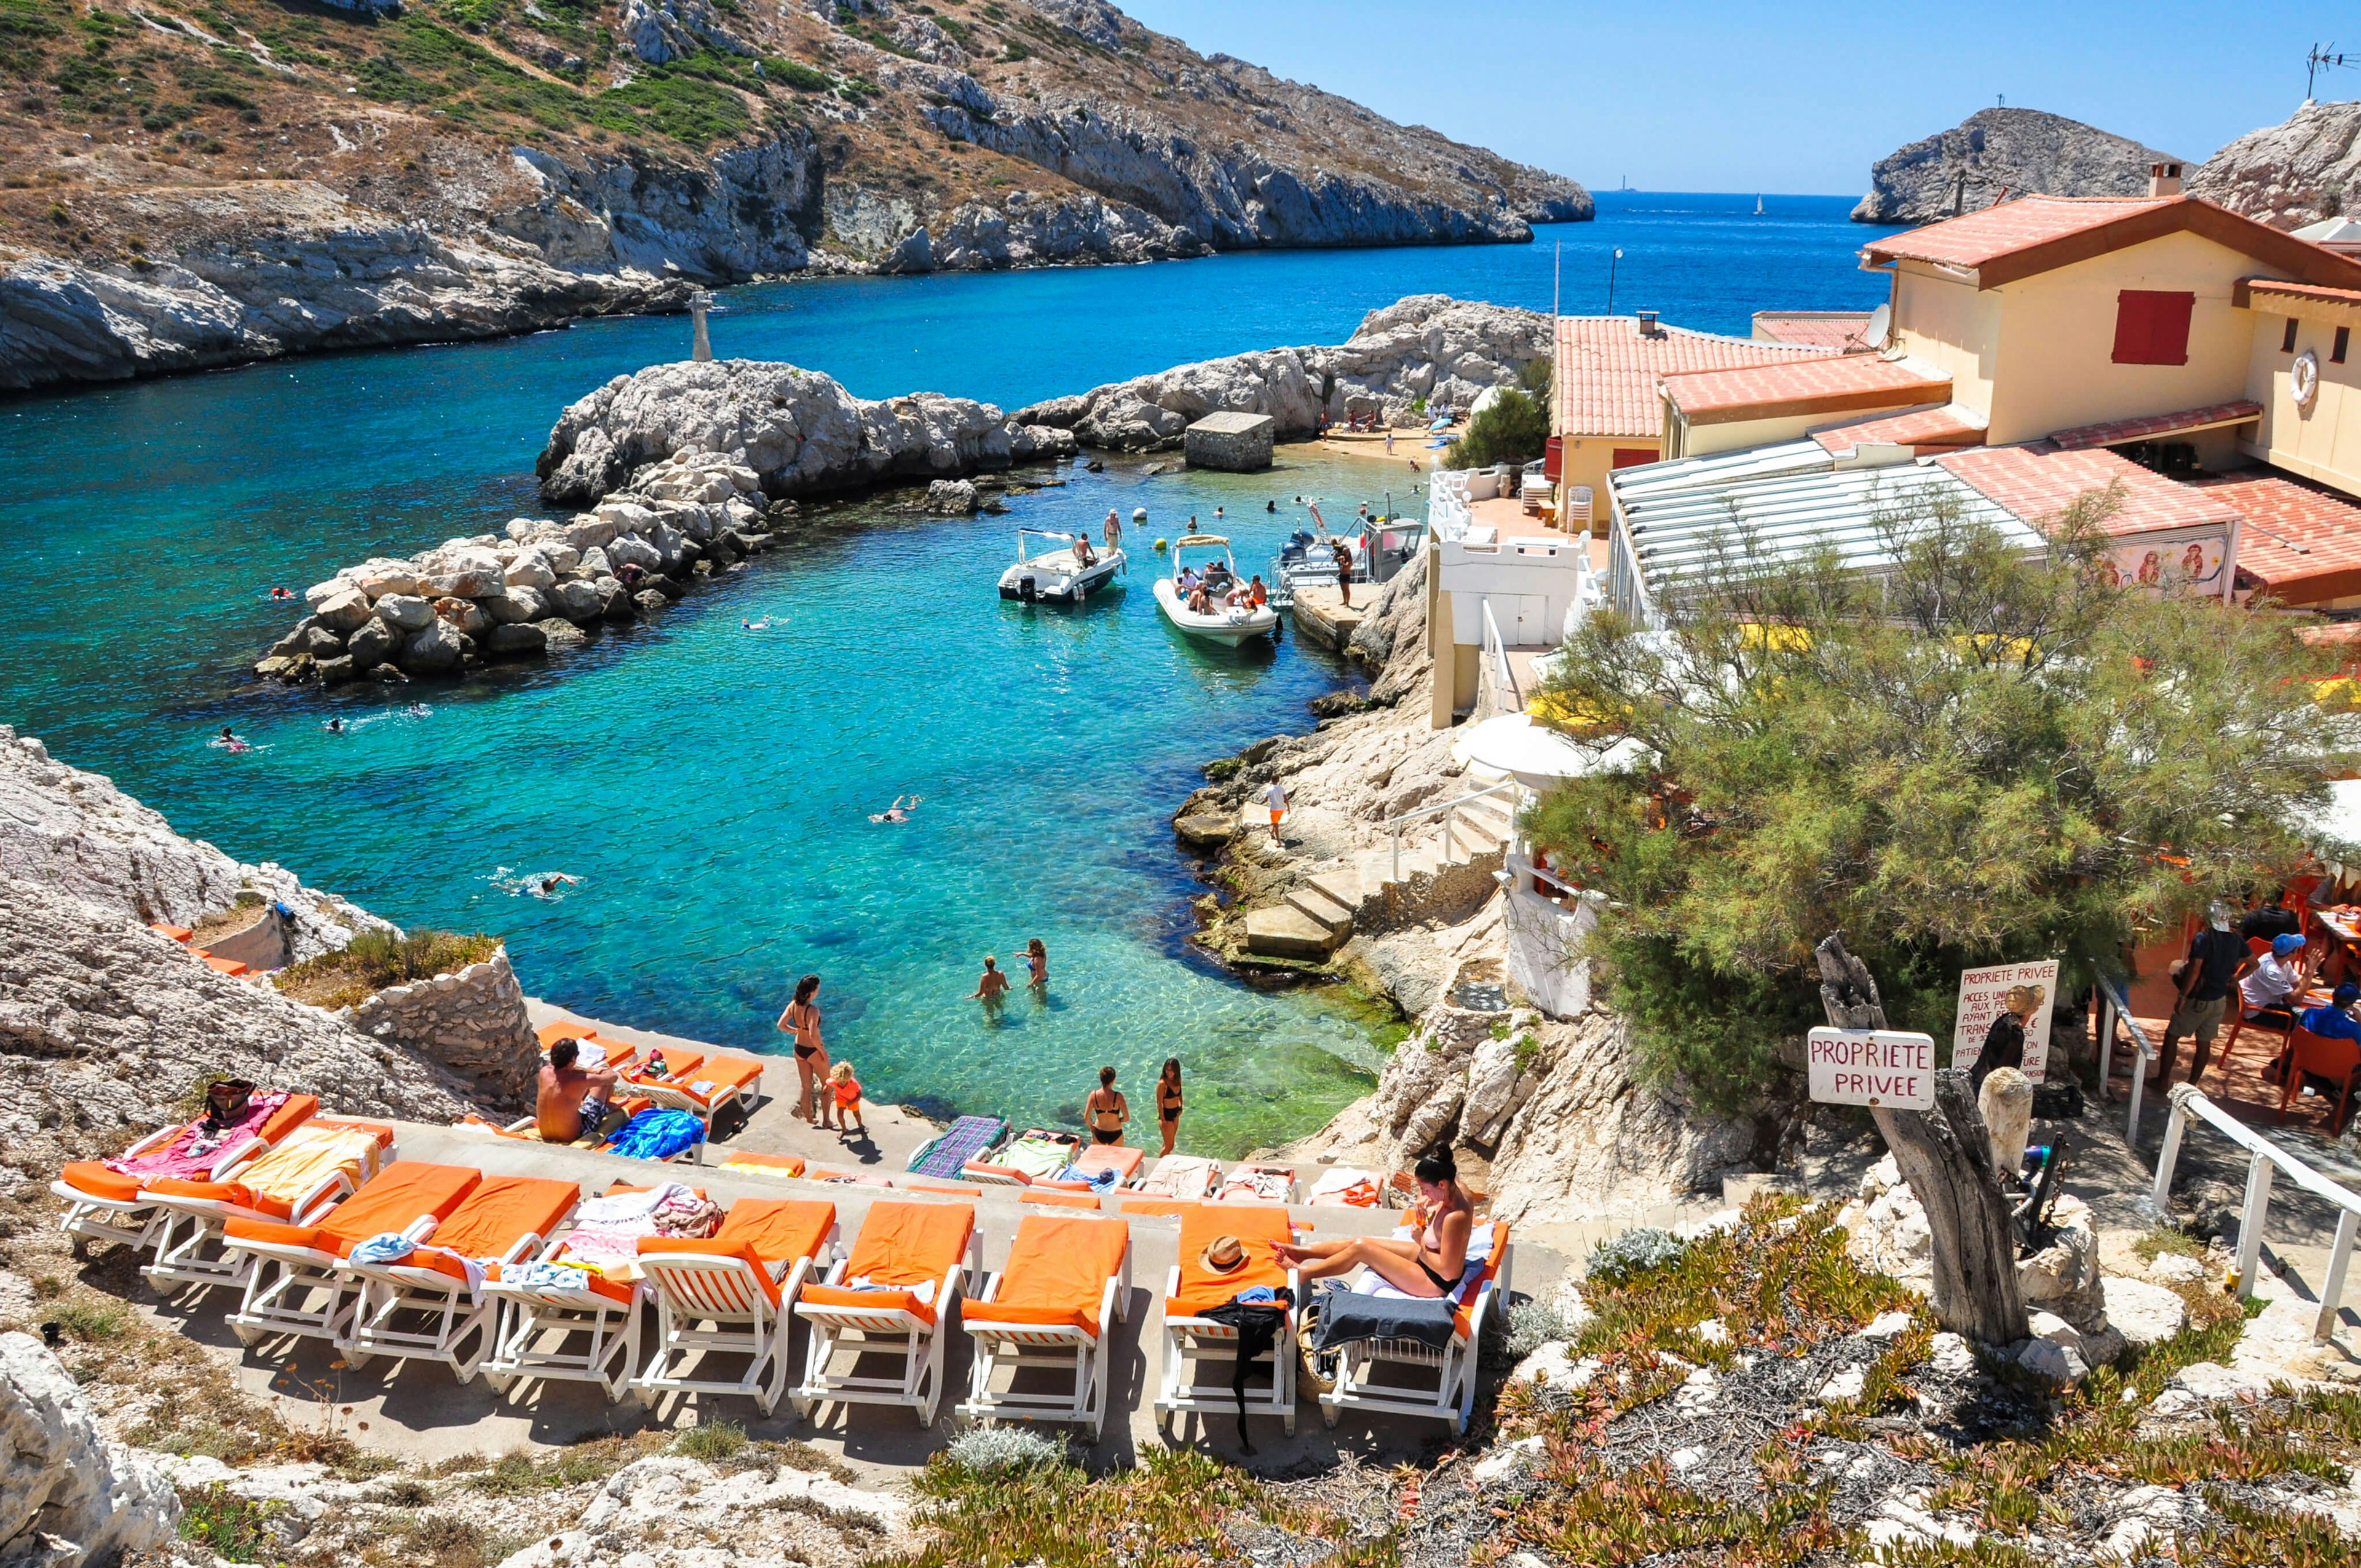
1222,624
1382,547
1066,572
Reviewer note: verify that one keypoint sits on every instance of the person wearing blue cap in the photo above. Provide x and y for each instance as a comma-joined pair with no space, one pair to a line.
2335,1021
2277,975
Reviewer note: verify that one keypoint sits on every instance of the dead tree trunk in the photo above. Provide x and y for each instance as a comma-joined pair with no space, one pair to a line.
1946,1156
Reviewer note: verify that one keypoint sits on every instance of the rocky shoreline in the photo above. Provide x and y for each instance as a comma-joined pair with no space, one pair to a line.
690,468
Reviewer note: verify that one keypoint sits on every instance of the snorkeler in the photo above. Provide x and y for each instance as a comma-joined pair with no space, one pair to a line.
897,812
335,727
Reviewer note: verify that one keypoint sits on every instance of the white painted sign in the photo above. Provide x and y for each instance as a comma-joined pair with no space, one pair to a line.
1984,996
1888,1067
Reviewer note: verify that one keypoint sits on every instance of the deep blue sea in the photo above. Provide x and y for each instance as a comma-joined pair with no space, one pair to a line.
710,785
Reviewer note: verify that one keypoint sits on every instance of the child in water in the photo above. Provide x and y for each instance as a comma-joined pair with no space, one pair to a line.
845,1090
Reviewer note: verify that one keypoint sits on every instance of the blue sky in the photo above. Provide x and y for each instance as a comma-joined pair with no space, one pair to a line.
1736,97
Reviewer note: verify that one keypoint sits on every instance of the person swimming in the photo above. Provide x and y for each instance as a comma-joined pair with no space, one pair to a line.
547,886
898,811
417,710
335,727
1271,506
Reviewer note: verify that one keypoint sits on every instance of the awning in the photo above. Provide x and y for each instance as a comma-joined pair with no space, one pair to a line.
2156,427
1536,756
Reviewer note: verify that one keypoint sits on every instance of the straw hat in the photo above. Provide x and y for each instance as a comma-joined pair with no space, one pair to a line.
1223,1255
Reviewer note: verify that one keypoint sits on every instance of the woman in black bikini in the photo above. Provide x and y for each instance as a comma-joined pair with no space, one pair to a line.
801,1019
1168,1101
1429,1264
1106,1110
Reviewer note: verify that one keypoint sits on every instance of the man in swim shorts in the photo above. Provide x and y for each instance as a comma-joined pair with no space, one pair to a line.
570,1102
1274,794
993,985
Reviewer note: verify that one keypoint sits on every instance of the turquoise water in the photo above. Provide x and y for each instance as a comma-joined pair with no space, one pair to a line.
709,784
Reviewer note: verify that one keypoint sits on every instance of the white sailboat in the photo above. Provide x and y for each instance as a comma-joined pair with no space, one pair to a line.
1222,623
1059,576
1757,206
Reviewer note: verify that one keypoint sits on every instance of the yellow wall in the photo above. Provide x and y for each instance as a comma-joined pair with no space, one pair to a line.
2322,443
1947,323
1588,461
1737,435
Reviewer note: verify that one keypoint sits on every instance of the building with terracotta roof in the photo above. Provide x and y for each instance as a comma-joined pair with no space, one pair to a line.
1840,332
1608,411
1720,410
2298,542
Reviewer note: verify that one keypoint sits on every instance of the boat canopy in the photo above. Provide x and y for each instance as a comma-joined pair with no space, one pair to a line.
1186,540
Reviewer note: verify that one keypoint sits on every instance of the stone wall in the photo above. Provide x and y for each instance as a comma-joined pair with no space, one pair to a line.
472,1022
1235,442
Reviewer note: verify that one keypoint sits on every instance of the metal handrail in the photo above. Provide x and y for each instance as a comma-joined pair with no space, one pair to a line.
1394,824
2262,1155
1495,671
2114,1003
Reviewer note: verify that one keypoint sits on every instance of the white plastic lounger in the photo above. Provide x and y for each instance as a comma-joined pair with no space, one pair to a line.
1053,1308
432,1305
890,1297
103,1204
297,1180
296,1284
732,1293
1453,1396
1200,1353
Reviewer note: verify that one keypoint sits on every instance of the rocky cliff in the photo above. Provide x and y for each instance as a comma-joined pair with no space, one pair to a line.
178,191
1994,154
105,1024
2291,174
1427,347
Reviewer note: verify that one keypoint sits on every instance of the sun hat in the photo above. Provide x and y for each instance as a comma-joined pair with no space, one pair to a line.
1223,1255
2286,943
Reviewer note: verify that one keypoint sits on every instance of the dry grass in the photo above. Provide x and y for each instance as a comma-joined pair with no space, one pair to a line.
376,959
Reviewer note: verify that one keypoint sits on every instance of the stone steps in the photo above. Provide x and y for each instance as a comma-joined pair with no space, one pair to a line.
1331,913
1286,932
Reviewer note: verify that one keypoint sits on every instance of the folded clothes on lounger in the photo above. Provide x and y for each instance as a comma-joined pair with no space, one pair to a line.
1347,1316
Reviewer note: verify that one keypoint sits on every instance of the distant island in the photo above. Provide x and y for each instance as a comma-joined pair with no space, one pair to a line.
1995,154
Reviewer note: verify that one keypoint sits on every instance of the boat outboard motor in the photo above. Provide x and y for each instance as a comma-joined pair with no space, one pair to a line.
1027,588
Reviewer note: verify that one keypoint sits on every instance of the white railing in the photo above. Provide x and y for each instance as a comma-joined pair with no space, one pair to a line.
2190,1104
1496,680
1394,825
2114,1004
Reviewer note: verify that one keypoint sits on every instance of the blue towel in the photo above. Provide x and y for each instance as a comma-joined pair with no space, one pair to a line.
389,1246
1104,1179
1260,1293
657,1135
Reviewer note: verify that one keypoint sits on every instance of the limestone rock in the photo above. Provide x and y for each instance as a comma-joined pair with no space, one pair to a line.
647,601
69,1497
472,1022
345,611
463,616
405,612
2292,174
951,498
2145,1314
433,652
561,636
515,638
578,602
373,644
2063,1276
1994,154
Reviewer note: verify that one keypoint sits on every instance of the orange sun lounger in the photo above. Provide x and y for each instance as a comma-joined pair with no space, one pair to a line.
1452,1398
1200,1353
889,1297
432,1305
297,1178
702,1086
742,1283
296,1284
103,1204
1052,1307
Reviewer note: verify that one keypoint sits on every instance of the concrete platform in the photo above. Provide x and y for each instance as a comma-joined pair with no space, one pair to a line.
417,1409
1322,615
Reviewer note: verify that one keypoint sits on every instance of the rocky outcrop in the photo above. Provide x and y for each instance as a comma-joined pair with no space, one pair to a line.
69,1497
1426,346
795,432
2289,175
104,1025
471,1021
1995,154
304,270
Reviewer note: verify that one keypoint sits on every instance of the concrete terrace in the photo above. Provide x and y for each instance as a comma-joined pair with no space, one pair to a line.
417,1409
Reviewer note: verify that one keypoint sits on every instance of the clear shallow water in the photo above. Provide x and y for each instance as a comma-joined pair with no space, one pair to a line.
710,785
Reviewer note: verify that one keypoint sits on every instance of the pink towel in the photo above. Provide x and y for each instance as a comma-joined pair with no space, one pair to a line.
192,1151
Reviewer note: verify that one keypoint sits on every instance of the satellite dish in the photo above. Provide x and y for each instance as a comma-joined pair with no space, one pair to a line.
1880,324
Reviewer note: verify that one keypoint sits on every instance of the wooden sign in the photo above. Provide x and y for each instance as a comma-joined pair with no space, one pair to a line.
1891,1069
1984,995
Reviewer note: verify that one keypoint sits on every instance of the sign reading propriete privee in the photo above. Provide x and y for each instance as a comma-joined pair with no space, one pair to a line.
1985,993
1888,1067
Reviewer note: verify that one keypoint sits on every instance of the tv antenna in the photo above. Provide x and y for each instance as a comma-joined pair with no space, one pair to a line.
2323,58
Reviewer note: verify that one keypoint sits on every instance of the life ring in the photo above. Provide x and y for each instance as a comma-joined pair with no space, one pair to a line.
2303,378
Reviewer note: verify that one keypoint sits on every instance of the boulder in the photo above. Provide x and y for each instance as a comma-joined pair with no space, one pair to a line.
649,602
531,569
2145,1314
616,604
335,671
564,557
579,602
381,576
2063,1276
461,570
560,636
69,1497
321,643
950,498
405,612
520,604
630,550
464,615
373,644
595,563
437,651
345,612
1205,829
516,636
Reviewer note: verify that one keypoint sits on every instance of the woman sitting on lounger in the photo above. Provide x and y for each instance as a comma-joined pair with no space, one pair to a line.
1429,1264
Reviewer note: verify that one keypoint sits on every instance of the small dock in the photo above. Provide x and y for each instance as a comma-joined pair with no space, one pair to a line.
1322,615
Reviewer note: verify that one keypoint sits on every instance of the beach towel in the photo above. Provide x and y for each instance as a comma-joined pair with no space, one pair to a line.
1182,1175
607,1231
657,1135
191,1152
964,1140
1257,1184
1347,1316
1038,1154
1344,1188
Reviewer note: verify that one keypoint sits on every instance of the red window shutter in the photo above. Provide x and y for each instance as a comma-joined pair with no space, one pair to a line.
1554,459
2152,327
1633,456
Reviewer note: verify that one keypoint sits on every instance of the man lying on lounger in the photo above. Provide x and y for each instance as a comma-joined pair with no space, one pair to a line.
572,1103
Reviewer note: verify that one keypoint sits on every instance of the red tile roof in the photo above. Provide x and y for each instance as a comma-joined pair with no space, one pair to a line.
2037,481
2302,542
2037,233
1840,330
1606,371
2244,292
1925,429
1832,384
2115,433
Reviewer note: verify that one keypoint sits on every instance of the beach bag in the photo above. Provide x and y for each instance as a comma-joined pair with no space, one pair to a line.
1317,1372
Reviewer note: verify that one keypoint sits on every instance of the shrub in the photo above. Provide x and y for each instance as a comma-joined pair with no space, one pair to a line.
377,958
1534,1324
1004,1451
1512,428
711,1444
1618,1260
795,74
232,1527
448,1541
99,1320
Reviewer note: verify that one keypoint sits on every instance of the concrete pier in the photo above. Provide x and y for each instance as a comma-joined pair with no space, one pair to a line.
1322,615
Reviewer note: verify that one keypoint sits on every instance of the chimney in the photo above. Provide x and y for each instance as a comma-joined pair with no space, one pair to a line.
1647,323
2164,179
